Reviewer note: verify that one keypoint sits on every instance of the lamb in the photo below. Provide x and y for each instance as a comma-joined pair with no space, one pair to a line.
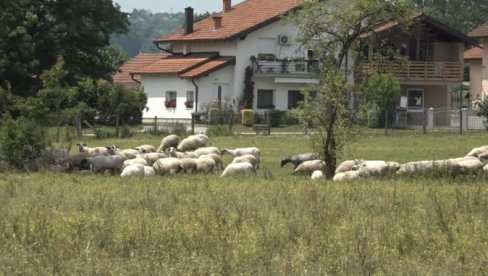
241,151
307,167
345,176
348,165
206,150
145,149
297,159
174,153
192,142
169,165
188,165
137,160
104,162
238,168
169,141
205,165
133,170
246,158
96,150
316,175
216,158
151,157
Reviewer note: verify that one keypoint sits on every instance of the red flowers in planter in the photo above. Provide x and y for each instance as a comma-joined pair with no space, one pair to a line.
189,104
170,104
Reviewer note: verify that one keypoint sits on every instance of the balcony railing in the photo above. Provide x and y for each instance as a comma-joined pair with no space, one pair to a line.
285,67
415,70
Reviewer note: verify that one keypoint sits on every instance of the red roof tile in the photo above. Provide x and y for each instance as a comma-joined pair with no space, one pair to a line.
480,31
208,67
474,53
241,19
141,60
174,64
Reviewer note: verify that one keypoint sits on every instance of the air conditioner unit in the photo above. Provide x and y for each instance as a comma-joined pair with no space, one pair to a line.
284,40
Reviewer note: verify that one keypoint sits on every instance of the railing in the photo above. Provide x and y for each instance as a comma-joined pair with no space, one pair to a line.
285,67
415,70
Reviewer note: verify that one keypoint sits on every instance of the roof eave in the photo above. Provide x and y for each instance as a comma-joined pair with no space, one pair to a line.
231,61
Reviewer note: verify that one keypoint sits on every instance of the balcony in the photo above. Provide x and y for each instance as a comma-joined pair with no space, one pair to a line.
293,68
415,70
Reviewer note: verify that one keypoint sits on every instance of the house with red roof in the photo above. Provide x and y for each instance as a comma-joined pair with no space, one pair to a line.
206,61
474,58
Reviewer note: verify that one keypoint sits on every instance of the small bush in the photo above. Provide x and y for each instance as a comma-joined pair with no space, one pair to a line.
218,130
213,116
290,119
126,132
179,129
275,117
101,133
247,117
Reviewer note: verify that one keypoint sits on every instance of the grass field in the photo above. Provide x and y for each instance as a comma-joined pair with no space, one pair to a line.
272,223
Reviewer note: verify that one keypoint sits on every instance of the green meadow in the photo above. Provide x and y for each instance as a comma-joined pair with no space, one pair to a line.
271,223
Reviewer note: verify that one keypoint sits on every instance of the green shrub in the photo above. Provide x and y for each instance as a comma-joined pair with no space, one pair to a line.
289,118
126,132
275,117
21,142
103,133
218,130
178,129
247,117
213,116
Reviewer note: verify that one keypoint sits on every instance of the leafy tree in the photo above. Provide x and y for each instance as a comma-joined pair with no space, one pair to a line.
383,91
332,30
247,97
35,33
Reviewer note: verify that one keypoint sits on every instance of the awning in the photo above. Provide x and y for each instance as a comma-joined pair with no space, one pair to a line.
296,80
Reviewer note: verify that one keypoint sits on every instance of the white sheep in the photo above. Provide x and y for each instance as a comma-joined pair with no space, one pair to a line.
372,167
307,167
241,151
133,170
393,166
348,165
137,160
243,168
476,152
485,169
74,159
345,176
246,158
95,150
168,165
188,165
169,141
206,150
178,154
151,157
149,171
216,158
145,148
205,165
466,165
416,166
127,153
104,162
316,175
193,142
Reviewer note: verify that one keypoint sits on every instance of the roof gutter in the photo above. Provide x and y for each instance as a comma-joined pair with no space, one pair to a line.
161,48
196,94
132,77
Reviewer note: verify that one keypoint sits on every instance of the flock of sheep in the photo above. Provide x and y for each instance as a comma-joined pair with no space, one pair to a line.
192,155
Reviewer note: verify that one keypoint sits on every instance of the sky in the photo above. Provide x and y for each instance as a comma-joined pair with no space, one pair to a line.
200,6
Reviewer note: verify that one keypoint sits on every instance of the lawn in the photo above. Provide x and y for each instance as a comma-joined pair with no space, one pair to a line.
271,223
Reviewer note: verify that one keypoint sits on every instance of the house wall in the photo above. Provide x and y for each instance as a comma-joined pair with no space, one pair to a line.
280,92
448,52
435,96
475,79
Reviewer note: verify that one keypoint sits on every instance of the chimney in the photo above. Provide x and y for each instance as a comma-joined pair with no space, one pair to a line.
217,20
227,5
188,20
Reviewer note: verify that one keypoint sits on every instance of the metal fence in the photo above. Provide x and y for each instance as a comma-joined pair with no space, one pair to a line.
439,118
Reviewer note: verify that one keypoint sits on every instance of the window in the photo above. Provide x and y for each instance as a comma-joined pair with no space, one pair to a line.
265,98
415,98
189,99
170,101
294,97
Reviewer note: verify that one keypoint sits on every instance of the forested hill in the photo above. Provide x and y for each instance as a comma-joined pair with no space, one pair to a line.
144,28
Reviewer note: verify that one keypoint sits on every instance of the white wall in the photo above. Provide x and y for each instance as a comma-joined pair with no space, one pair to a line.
280,91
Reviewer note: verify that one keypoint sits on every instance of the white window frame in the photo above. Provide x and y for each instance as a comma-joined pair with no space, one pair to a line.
169,96
415,108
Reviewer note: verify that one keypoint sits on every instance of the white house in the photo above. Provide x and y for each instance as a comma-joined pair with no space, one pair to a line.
207,61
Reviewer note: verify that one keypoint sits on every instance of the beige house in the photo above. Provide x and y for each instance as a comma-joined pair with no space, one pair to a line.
474,57
432,64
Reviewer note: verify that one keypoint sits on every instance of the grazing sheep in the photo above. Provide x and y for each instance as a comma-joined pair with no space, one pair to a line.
241,151
476,152
192,142
372,167
307,167
485,169
206,150
415,166
96,150
137,160
151,157
348,165
238,169
215,157
149,171
393,166
205,165
168,165
188,165
104,162
174,153
133,170
246,158
297,159
74,159
127,153
466,165
145,149
169,141
345,176
316,175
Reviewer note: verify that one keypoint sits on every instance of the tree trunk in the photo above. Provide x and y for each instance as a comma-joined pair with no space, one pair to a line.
386,123
330,147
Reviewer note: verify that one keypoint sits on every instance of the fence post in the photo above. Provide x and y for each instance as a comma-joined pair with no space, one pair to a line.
155,126
465,118
193,123
460,121
424,125
430,118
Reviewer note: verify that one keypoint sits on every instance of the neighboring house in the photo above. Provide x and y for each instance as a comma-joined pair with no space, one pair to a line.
433,54
474,57
123,75
208,59
479,62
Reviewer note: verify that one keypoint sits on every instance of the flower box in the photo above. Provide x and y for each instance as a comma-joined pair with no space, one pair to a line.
189,104
170,104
